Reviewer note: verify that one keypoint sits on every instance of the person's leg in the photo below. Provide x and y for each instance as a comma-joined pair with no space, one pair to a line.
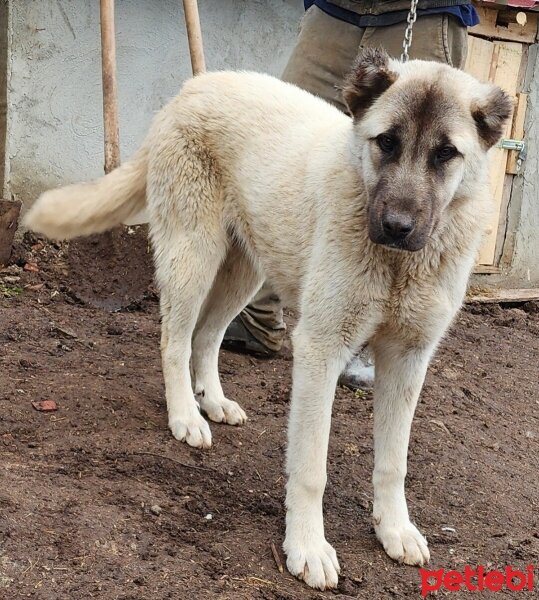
323,55
435,37
263,318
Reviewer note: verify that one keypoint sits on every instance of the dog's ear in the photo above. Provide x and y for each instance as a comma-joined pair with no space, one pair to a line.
369,79
491,113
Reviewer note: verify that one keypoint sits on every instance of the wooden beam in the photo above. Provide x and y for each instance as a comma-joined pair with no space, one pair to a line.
110,86
9,215
507,25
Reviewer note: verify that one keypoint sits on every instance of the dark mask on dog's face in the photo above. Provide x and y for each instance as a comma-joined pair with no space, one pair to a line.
421,128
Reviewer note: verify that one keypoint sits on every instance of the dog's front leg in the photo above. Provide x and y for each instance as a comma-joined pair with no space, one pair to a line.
399,377
315,373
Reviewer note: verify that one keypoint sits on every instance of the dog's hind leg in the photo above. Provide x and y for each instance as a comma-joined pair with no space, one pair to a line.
235,284
190,244
188,279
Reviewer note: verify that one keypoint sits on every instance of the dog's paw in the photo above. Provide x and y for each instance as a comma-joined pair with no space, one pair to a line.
194,430
315,563
404,544
223,411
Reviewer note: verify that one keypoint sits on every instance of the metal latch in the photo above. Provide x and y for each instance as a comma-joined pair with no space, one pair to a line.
516,145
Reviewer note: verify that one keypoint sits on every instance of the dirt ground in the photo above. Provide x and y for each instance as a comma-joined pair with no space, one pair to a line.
97,500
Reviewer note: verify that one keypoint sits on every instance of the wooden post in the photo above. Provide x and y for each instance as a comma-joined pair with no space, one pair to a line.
9,215
110,87
194,35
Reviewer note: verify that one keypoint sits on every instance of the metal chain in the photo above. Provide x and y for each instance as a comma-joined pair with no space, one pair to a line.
412,16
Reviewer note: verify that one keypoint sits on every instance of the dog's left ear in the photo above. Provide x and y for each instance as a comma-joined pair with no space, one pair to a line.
369,79
491,113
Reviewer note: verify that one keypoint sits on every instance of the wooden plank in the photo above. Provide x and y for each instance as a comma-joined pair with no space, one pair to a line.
479,58
486,270
494,296
505,68
517,130
487,22
9,215
504,25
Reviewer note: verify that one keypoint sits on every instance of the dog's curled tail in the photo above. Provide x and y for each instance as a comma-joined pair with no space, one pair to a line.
94,207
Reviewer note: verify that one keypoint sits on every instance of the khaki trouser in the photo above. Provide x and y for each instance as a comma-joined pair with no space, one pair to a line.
324,53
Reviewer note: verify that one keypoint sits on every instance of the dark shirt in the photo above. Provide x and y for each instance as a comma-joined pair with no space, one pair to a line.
465,13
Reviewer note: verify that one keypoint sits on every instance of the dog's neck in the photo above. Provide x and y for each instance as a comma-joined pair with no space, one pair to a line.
455,240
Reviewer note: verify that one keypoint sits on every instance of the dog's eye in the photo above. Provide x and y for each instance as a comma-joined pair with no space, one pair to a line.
386,143
446,153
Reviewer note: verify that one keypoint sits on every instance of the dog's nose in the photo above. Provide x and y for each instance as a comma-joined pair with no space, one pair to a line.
397,226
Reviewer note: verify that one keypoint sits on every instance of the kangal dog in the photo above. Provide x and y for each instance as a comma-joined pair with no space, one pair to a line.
368,226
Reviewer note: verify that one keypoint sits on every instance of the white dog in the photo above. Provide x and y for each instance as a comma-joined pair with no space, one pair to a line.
369,226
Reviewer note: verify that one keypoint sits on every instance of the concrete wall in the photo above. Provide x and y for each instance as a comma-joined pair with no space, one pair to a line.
3,86
54,74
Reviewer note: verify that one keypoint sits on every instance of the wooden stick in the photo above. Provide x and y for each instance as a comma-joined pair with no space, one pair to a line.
110,87
194,35
187,465
277,558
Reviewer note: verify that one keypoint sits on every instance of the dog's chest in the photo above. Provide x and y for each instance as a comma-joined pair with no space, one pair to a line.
417,306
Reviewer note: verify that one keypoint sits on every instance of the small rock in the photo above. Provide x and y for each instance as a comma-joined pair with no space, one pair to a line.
45,405
31,267
209,517
10,279
156,510
114,330
451,374
63,332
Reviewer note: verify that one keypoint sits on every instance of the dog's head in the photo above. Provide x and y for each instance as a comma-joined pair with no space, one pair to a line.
422,132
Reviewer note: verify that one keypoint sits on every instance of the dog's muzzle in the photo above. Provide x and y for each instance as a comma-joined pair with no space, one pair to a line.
398,230
397,226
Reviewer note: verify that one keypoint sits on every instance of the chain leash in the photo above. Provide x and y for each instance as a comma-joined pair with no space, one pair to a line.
412,16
